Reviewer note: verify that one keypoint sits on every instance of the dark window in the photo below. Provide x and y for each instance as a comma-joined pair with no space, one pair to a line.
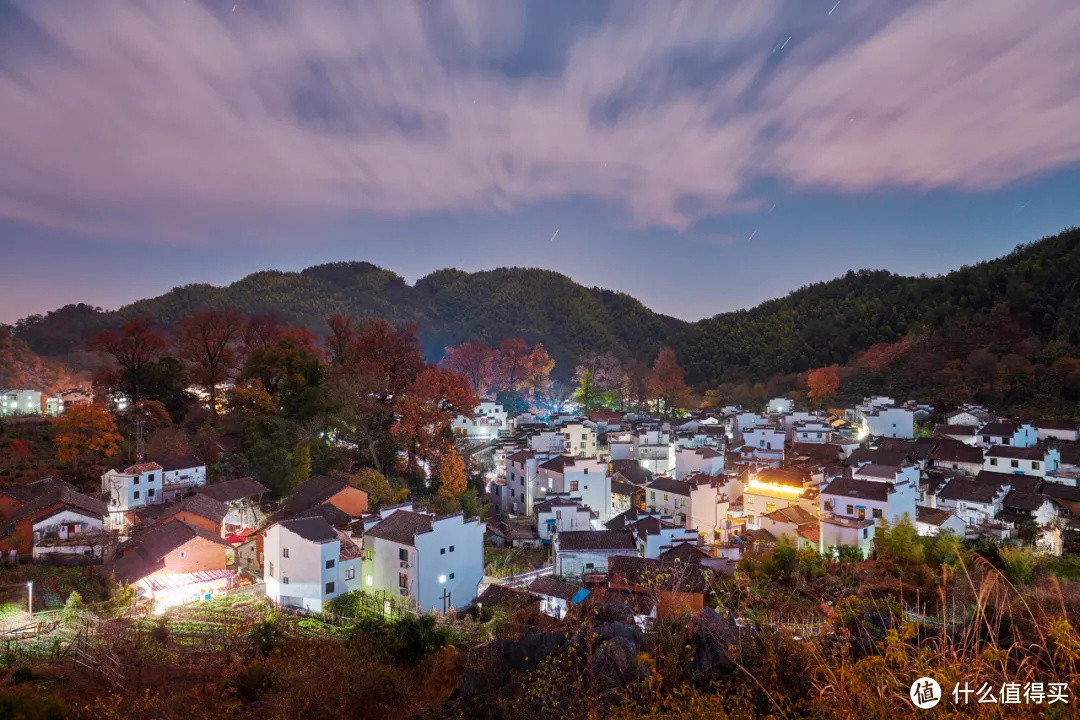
451,576
135,494
850,510
442,551
403,555
284,552
329,587
150,477
150,492
135,481
329,564
876,513
451,548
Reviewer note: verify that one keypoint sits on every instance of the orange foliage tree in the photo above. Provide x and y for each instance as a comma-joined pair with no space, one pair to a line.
822,384
452,480
426,411
85,434
474,361
133,346
667,382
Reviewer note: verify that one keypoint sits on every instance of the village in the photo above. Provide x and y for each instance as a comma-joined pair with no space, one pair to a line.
593,504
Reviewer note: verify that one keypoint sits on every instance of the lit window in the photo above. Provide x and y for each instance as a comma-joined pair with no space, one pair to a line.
368,580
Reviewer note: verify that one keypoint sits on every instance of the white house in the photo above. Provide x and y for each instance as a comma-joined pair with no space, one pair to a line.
888,421
873,492
436,563
655,535
951,454
518,494
180,474
556,596
308,562
133,487
764,437
547,441
487,422
1006,432
703,459
654,449
669,497
586,478
1037,460
934,521
589,551
780,405
1067,430
974,501
811,431
968,415
20,402
580,439
560,514
839,530
710,503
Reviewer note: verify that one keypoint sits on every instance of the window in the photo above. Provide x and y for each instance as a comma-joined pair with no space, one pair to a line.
451,576
150,492
876,513
573,486
1014,463
864,531
135,481
749,499
284,552
403,580
850,509
329,564
442,551
1035,464
403,555
329,587
284,581
350,573
183,553
770,506
993,461
652,494
828,506
271,569
150,477
862,513
665,497
451,548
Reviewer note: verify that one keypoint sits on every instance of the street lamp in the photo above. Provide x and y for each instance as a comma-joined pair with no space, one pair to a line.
30,602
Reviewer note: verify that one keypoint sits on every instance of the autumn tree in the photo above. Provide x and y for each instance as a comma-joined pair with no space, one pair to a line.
452,480
378,488
822,385
475,361
133,346
425,413
207,343
85,435
520,367
372,365
667,382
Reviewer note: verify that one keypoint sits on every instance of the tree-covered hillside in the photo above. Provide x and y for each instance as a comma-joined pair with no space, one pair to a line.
824,323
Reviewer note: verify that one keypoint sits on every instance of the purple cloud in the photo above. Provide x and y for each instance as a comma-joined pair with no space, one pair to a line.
130,117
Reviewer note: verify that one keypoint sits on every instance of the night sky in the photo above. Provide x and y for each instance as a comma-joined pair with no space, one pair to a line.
701,157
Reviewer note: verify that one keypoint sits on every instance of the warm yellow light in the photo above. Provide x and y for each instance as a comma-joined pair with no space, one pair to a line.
776,488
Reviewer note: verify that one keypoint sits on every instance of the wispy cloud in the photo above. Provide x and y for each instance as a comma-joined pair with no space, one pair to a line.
130,116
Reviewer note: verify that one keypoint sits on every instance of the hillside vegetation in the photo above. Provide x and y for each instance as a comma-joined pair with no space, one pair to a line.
820,324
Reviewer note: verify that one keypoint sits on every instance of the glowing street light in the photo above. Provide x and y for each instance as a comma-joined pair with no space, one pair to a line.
30,602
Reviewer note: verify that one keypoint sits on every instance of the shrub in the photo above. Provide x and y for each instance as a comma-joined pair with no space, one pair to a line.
267,635
21,674
1018,564
417,636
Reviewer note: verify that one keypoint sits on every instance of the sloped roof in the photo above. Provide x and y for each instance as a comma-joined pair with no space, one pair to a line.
505,596
931,516
686,552
554,588
1036,452
315,529
632,471
1024,483
878,471
795,514
621,488
823,452
52,494
670,485
1019,500
950,450
180,462
145,553
596,540
877,457
558,463
30,490
201,505
970,490
999,428
316,490
1071,425
858,489
648,573
793,478
235,489
401,526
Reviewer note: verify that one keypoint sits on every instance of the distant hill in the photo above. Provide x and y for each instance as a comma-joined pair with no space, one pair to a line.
816,325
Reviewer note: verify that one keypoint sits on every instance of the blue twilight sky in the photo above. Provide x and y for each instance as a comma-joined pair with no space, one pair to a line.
701,156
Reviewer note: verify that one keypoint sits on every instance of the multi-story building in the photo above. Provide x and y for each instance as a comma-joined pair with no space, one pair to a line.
579,477
308,563
434,563
20,402
487,422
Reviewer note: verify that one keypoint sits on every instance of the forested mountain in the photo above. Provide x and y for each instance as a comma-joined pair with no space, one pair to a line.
823,323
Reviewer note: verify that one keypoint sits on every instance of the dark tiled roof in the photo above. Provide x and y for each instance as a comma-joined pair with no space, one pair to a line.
858,489
1019,500
235,489
180,462
51,494
1071,425
931,516
795,514
328,512
316,490
632,471
949,450
200,504
401,526
878,471
621,488
558,463
500,595
1070,453
1038,452
999,428
28,491
1059,491
793,478
686,552
555,502
554,588
877,457
596,540
955,430
624,519
970,490
649,526
315,529
1023,483
520,456
669,485
823,452
647,573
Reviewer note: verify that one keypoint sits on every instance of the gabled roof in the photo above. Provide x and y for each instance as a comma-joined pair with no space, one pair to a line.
557,502
521,456
46,496
931,516
316,490
1070,425
956,430
670,485
501,595
858,489
30,490
554,588
950,450
999,428
1027,501
315,529
401,526
626,518
877,457
685,552
140,468
596,540
621,488
145,553
1070,453
794,514
1037,452
235,489
649,526
199,504
558,463
822,452
632,471
647,573
886,472
180,462
794,478
970,490
1024,483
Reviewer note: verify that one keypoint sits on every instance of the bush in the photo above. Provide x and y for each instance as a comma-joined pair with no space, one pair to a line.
21,674
1018,564
251,683
417,636
267,635
23,704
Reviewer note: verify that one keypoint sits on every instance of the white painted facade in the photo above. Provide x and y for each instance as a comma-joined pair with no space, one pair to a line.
765,437
580,439
1049,463
135,487
585,478
780,405
487,422
305,574
20,402
559,517
707,460
893,422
